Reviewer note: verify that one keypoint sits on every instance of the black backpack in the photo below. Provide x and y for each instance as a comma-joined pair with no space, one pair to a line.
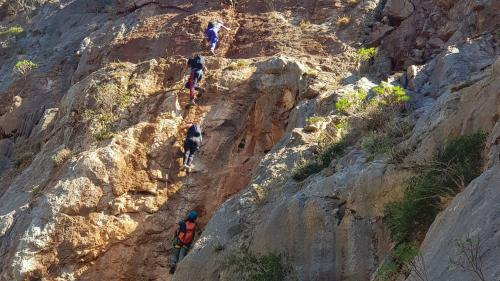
194,131
196,62
210,25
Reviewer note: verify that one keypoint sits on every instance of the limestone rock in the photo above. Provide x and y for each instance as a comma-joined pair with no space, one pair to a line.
110,87
474,215
399,9
435,42
379,31
6,147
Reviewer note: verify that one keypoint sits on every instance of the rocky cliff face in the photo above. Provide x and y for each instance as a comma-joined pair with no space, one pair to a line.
90,140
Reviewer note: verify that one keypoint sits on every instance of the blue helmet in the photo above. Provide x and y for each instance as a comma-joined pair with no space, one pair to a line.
192,215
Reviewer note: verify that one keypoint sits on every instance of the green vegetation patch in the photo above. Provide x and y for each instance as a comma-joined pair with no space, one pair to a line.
387,94
12,31
450,171
250,267
111,98
398,258
351,100
385,140
365,54
306,168
24,67
315,119
377,143
61,156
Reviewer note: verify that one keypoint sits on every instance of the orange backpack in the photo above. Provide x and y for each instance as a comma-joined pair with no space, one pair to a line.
187,237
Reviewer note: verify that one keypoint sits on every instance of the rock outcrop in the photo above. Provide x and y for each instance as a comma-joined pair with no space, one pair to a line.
91,139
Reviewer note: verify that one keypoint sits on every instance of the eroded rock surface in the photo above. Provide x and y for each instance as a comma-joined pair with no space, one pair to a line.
90,141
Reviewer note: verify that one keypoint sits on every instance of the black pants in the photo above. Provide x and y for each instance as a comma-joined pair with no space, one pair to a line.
189,151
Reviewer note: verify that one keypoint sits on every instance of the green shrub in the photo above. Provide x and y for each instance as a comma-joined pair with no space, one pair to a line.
24,67
389,95
342,125
399,256
377,143
110,98
469,256
343,104
12,31
365,54
251,267
350,100
61,156
450,171
385,140
330,152
315,119
308,167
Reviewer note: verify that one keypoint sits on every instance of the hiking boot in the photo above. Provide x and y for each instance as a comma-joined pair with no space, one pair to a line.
188,168
192,102
172,269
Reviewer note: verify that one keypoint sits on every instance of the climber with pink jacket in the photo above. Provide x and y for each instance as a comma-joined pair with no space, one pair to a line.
195,66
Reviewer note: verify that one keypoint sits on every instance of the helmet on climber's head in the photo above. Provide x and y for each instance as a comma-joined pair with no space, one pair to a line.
192,215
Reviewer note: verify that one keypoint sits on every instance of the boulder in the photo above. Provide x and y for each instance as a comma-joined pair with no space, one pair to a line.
398,9
379,31
435,43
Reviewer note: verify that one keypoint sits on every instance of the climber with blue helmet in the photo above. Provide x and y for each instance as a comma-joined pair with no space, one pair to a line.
184,237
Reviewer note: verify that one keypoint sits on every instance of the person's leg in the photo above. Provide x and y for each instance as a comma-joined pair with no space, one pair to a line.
213,43
194,85
191,85
187,156
192,150
175,256
191,92
182,253
197,79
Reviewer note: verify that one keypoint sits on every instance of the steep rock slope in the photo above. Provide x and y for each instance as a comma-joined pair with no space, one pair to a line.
454,93
90,141
90,186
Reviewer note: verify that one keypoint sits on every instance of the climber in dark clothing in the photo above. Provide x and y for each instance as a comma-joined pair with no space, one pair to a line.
195,66
191,145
